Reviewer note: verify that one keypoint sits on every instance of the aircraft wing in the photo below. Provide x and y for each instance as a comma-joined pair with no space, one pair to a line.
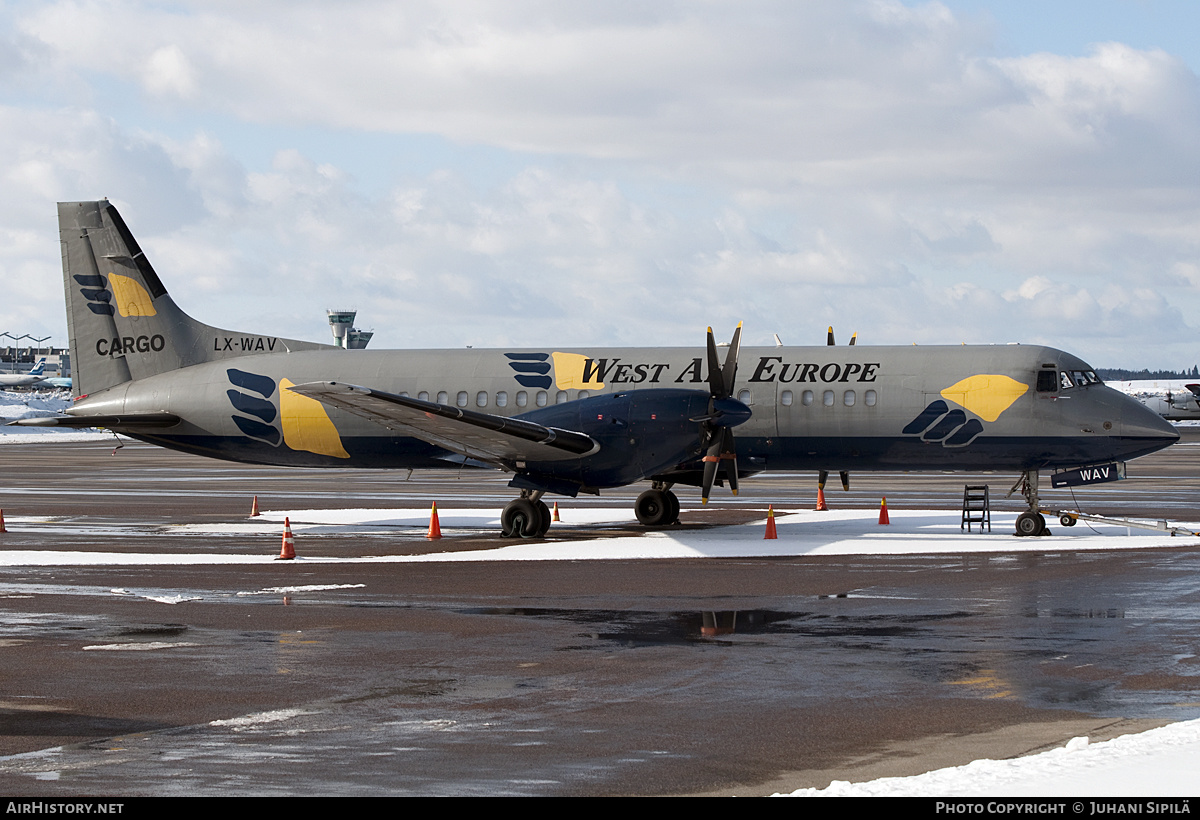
483,436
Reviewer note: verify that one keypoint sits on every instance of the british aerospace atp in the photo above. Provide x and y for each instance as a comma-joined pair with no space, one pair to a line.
576,420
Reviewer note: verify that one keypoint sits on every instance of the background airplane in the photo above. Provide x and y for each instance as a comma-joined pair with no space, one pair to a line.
1176,405
570,421
34,376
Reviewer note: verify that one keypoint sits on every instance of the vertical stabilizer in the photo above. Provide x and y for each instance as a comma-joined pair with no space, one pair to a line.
123,324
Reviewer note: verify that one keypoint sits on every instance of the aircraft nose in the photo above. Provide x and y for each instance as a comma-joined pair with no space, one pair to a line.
1143,429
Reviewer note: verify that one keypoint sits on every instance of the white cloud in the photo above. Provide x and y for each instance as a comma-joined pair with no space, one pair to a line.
649,168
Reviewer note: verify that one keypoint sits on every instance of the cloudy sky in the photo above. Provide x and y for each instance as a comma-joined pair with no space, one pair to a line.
548,173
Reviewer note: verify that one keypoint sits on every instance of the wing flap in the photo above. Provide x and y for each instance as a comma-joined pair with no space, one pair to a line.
484,436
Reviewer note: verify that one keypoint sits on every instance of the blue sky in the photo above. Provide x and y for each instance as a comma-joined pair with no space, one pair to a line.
579,174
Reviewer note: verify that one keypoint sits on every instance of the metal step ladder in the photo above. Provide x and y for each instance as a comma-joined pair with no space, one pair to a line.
977,507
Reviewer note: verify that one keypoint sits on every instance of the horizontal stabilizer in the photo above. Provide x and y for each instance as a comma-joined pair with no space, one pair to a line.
123,420
489,438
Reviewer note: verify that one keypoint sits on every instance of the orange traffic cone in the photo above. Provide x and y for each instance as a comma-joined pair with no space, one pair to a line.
770,523
821,505
556,511
254,508
435,526
288,551
883,516
2,521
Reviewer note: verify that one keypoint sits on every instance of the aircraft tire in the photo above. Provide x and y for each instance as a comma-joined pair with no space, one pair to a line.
521,519
1029,523
654,508
672,507
546,518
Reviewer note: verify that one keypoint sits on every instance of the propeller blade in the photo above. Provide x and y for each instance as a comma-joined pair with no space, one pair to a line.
716,382
729,372
711,459
822,476
854,338
722,450
729,456
845,476
829,337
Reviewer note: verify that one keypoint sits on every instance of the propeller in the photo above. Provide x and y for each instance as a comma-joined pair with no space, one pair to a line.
724,413
829,338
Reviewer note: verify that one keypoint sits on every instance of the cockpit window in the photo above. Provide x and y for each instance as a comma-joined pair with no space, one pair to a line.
1077,378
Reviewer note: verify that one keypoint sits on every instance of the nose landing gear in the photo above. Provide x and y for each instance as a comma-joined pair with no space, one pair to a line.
1031,522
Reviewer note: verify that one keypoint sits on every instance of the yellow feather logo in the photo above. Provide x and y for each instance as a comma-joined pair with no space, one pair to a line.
987,396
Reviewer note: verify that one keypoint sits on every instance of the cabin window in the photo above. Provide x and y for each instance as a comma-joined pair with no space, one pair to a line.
807,398
481,398
561,397
501,399
744,397
848,398
785,398
583,394
461,398
827,398
404,393
423,395
443,397
870,397
541,398
1047,381
522,398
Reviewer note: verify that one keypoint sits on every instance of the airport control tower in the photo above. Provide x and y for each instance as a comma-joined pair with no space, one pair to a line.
345,335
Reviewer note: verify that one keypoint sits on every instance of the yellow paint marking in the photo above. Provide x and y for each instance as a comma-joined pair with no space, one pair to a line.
568,372
985,396
132,298
306,425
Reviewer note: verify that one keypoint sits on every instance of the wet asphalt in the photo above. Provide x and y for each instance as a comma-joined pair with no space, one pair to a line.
735,676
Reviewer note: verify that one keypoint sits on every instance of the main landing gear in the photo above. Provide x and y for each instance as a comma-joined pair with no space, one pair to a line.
1030,522
525,517
658,506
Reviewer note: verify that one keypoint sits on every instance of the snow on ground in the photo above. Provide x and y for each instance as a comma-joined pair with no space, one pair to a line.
1159,763
38,404
801,532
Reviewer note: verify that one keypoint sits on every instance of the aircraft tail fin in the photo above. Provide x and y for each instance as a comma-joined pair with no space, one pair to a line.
38,369
123,325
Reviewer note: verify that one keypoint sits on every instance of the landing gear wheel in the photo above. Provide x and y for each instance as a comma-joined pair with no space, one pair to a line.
522,519
1030,523
546,516
673,507
654,506
1067,520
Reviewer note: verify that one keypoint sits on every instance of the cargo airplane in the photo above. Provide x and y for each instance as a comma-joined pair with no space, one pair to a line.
570,421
